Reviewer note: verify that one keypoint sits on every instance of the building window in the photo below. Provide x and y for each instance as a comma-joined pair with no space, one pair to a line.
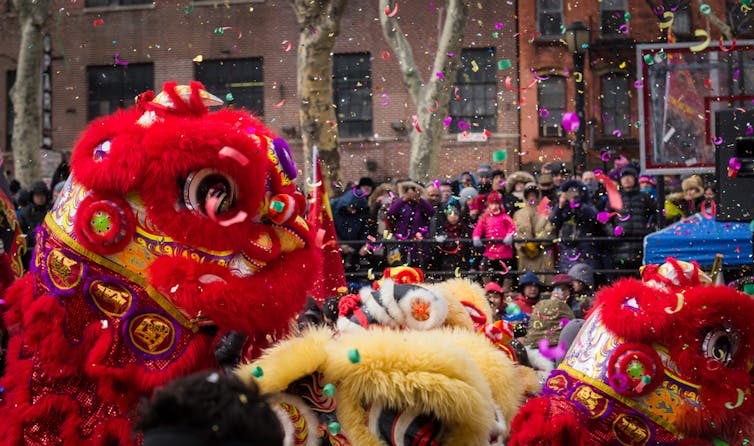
550,17
612,17
10,79
474,105
352,94
114,87
551,97
239,82
682,21
739,19
616,106
100,3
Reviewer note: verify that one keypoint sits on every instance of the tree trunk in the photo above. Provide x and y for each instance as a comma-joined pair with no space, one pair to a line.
431,98
26,93
319,22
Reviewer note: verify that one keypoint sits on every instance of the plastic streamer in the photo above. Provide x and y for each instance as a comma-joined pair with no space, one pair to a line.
613,196
537,76
740,400
702,46
668,16
286,45
415,120
509,86
678,306
393,12
724,49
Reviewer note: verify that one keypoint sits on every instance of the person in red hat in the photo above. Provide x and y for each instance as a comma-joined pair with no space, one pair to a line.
561,288
495,296
495,223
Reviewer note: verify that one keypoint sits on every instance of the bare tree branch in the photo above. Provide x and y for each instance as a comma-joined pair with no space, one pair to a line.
401,49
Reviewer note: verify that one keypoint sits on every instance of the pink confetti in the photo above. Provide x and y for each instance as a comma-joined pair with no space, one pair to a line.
544,112
626,217
618,231
279,104
439,75
286,45
230,152
385,55
556,352
603,217
606,156
574,258
118,61
415,120
385,99
617,133
393,12
446,122
498,25
571,121
717,140
463,125
638,84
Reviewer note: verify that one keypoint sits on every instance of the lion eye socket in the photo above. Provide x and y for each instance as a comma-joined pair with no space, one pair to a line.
209,192
721,345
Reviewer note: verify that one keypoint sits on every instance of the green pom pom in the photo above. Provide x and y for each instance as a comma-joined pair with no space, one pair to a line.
329,390
333,428
257,372
353,356
646,379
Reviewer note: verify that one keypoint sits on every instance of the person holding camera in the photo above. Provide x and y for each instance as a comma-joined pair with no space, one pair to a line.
575,219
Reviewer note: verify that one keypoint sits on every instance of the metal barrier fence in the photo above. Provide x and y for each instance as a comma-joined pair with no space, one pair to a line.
374,245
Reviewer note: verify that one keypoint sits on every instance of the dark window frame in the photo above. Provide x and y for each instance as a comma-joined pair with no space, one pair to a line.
615,113
134,78
550,17
612,17
475,102
352,94
242,78
550,123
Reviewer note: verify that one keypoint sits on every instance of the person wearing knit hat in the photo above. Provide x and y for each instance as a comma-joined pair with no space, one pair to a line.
561,288
647,184
514,191
684,204
495,223
582,276
531,292
546,187
484,178
467,195
494,294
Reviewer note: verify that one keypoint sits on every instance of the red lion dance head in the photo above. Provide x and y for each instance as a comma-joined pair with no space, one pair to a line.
177,225
666,361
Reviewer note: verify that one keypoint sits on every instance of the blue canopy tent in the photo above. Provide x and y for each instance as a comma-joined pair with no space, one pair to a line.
700,238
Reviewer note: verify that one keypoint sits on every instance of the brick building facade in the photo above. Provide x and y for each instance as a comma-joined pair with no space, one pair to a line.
251,45
611,96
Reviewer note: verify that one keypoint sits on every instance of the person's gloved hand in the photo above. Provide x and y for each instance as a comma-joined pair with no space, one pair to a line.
478,243
508,240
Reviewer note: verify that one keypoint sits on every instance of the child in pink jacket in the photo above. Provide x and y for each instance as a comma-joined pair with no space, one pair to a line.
495,223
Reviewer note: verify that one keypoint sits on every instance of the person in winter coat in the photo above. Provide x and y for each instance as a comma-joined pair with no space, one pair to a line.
452,252
582,284
32,215
514,191
410,217
575,218
686,203
534,256
637,218
494,223
352,220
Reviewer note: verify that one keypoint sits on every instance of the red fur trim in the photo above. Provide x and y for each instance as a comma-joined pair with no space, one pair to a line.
540,423
114,173
263,303
179,147
649,322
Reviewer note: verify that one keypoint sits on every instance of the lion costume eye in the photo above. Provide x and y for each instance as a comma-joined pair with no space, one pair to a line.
209,192
721,345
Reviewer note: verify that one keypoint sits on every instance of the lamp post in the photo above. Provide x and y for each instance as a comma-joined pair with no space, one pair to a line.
577,39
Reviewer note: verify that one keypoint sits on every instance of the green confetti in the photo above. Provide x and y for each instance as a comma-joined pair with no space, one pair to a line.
500,156
503,64
229,97
495,35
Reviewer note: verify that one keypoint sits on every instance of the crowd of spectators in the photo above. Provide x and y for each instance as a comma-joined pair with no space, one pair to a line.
484,221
